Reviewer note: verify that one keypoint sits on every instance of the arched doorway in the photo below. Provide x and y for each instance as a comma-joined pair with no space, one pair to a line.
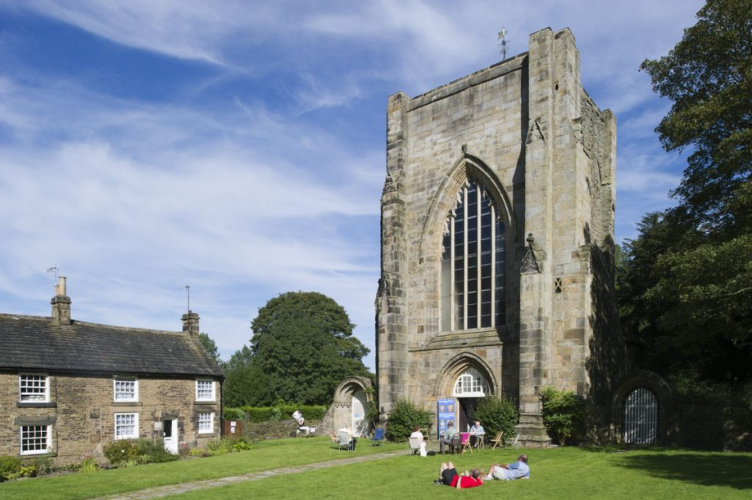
358,424
469,388
640,417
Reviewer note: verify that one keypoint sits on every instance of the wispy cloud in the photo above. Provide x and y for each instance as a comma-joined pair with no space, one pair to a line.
262,174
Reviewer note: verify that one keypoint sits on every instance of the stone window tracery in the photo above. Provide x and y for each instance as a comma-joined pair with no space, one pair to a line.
473,262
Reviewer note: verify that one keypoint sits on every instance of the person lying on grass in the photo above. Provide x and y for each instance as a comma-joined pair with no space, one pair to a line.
448,476
509,472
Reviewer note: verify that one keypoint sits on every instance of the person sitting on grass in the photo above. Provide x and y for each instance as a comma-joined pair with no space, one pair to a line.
448,476
510,472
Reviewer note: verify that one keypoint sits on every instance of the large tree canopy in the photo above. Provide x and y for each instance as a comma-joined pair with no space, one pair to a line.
686,285
708,78
303,344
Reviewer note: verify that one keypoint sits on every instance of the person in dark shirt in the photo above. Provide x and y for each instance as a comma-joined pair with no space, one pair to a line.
448,476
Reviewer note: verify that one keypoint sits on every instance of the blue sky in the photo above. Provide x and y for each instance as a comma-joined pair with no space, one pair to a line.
238,146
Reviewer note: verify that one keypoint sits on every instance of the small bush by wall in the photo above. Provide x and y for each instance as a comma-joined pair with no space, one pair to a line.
564,414
403,418
497,415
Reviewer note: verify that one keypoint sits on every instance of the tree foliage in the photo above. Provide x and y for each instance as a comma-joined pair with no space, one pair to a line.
708,78
303,344
245,382
497,415
210,346
685,286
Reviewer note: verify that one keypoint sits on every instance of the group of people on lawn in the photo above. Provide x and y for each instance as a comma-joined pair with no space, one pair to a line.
503,472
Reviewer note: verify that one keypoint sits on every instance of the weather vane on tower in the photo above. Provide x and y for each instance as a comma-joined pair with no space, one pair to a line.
503,43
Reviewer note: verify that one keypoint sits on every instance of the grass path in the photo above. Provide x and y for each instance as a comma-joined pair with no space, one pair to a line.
266,455
194,486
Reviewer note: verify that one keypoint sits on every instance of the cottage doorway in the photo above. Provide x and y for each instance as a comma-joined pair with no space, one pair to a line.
170,434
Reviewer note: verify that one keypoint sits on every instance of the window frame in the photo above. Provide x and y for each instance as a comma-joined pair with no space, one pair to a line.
213,391
46,388
47,438
115,381
211,422
460,253
135,426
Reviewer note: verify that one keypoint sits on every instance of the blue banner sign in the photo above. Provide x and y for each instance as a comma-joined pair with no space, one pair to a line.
445,412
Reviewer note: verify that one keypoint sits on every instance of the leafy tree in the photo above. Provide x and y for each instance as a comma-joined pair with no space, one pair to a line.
210,346
708,77
245,382
564,413
497,415
303,344
686,284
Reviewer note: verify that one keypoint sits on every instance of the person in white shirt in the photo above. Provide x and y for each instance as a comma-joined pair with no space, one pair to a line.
416,433
477,433
353,440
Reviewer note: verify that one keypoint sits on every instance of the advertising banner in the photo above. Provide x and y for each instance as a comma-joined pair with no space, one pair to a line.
445,412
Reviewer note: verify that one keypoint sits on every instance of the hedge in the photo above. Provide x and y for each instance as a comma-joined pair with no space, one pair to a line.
259,414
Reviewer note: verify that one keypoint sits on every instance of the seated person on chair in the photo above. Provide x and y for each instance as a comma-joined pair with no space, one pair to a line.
353,440
447,437
416,433
510,472
476,433
448,476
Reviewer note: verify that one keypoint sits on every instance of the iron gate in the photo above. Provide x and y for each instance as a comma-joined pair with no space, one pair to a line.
640,417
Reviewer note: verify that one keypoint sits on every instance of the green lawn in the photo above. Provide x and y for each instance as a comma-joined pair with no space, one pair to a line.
563,473
571,473
266,455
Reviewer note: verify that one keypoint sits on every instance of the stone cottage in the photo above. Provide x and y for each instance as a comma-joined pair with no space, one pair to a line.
68,387
497,241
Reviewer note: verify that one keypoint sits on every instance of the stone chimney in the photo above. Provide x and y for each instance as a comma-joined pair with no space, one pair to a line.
61,304
190,323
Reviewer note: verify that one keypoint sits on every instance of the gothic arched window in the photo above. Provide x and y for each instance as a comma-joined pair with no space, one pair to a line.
473,263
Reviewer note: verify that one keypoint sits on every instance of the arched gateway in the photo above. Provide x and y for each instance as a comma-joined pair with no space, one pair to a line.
497,233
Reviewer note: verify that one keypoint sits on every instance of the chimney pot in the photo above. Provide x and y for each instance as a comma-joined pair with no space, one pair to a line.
190,323
61,311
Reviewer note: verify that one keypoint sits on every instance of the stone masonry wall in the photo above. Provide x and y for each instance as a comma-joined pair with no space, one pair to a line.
529,133
82,409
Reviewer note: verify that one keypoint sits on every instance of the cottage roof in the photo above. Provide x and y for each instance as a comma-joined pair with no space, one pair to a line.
37,343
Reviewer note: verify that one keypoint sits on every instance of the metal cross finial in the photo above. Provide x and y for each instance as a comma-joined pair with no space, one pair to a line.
55,270
503,43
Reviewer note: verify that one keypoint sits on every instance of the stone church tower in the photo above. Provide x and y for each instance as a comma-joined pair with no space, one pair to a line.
497,237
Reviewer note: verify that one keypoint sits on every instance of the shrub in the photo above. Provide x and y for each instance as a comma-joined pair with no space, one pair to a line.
563,413
497,415
120,451
282,412
28,471
233,414
199,452
142,451
227,445
43,465
10,468
403,418
88,465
